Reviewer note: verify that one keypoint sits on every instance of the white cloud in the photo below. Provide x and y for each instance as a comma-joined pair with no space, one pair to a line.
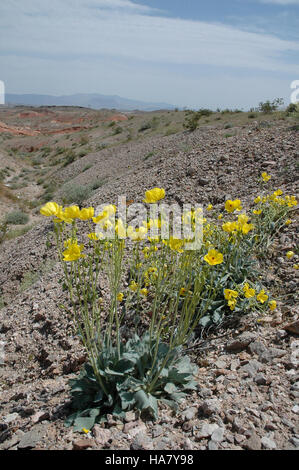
122,47
66,28
280,2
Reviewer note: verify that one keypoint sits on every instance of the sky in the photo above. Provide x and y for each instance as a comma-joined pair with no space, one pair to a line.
189,53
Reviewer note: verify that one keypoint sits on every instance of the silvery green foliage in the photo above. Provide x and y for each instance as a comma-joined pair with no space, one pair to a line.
128,379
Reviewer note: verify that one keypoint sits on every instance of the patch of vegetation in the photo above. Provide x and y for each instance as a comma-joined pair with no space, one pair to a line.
17,218
75,193
268,107
70,158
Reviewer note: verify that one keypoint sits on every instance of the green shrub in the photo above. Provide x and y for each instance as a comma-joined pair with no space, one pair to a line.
269,106
138,377
70,158
75,193
17,218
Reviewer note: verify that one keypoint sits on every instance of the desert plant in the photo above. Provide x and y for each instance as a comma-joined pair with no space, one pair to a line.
268,106
17,218
75,193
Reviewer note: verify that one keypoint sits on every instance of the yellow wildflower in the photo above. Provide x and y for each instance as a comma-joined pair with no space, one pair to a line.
230,294
72,212
231,206
95,236
210,207
154,195
288,222
296,266
272,305
133,286
290,254
73,251
86,213
138,234
120,297
229,227
262,296
49,209
144,292
257,199
248,291
257,212
265,176
213,257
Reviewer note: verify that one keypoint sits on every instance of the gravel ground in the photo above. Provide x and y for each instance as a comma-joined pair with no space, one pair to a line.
247,385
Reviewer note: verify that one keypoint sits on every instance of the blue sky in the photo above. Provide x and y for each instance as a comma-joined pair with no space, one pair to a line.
210,53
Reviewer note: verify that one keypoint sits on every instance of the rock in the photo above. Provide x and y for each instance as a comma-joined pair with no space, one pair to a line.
202,181
83,444
11,418
295,441
257,348
218,435
295,409
206,430
134,427
189,413
253,442
292,327
157,431
211,406
212,445
252,367
130,416
142,442
268,443
101,435
16,437
271,353
32,437
260,379
241,342
39,416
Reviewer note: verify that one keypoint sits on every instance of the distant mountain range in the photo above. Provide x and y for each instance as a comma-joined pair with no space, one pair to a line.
86,100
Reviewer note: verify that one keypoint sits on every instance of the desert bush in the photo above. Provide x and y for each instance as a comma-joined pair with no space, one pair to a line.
75,193
268,106
69,158
17,218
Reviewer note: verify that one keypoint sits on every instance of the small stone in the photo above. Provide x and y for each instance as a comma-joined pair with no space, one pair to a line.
211,406
252,367
101,435
295,409
241,342
253,442
293,327
83,444
32,437
157,431
260,379
295,441
212,445
130,416
268,443
142,442
39,416
257,348
218,435
206,430
135,427
189,413
11,418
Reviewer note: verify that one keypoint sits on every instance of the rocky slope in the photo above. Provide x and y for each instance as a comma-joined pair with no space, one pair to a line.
247,395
